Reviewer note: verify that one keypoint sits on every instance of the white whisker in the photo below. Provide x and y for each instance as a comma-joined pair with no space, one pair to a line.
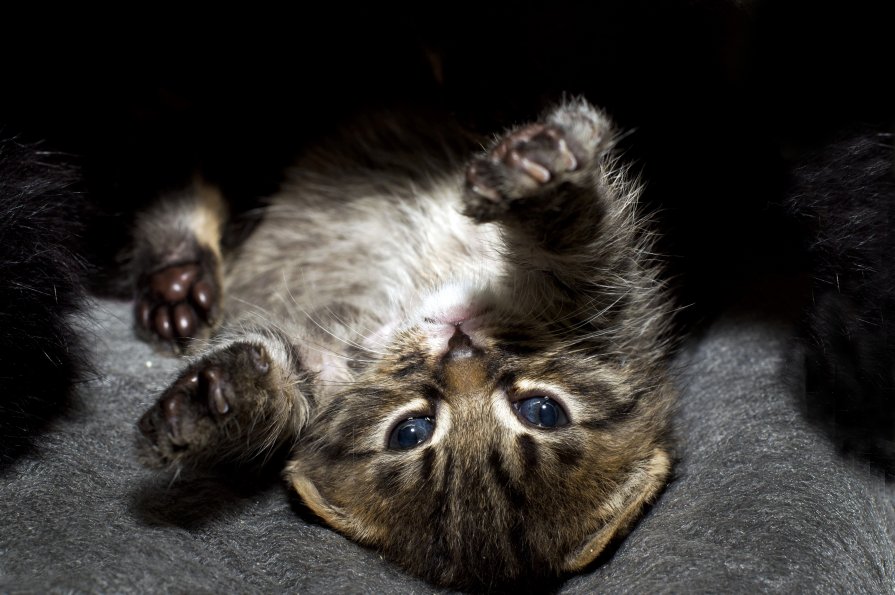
323,328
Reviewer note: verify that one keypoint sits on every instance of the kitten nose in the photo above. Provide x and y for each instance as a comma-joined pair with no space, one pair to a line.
460,345
463,366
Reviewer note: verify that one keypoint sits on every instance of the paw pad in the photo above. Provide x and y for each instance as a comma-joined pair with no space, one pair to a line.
190,419
175,302
519,166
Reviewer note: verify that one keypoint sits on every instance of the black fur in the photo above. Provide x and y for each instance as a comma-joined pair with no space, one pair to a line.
845,196
40,288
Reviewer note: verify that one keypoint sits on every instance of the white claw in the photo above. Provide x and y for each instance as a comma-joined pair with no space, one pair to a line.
571,161
486,192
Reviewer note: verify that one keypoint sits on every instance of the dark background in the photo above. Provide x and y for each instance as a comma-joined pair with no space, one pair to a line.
720,98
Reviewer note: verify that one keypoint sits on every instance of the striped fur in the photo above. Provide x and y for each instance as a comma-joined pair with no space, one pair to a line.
380,286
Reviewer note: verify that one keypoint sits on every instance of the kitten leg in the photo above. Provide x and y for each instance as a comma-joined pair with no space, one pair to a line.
238,401
535,161
571,225
177,262
563,209
581,257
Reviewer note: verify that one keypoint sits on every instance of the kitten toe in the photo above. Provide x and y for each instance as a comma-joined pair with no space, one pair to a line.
510,170
192,419
217,400
533,159
177,419
538,152
183,419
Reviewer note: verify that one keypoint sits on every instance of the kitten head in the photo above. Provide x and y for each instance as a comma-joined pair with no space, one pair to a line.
484,448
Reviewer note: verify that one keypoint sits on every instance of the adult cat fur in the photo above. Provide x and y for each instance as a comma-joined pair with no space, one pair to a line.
40,288
844,195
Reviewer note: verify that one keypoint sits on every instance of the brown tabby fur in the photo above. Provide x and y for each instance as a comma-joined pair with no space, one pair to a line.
383,285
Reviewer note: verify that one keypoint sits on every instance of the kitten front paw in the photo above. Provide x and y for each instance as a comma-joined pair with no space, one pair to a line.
176,303
195,418
534,158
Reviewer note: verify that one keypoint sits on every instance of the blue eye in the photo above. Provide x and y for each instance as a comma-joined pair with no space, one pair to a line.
411,432
543,412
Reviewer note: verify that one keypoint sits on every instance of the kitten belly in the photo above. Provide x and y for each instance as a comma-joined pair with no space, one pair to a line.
377,267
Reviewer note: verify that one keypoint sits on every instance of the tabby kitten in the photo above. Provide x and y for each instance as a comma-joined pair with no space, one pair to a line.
470,371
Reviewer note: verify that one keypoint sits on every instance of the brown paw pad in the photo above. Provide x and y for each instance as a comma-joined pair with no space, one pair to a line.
518,166
175,302
538,151
189,420
188,411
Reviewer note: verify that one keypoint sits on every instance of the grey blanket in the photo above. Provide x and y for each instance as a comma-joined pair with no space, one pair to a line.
760,502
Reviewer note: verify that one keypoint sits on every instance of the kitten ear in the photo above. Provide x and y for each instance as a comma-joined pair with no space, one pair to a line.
622,508
332,515
312,498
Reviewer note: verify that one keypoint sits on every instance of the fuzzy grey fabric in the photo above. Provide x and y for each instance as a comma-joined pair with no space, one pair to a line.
761,501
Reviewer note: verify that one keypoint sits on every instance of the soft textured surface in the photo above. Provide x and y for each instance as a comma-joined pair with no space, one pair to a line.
761,501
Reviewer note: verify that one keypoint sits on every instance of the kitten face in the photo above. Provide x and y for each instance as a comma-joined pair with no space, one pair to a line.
483,444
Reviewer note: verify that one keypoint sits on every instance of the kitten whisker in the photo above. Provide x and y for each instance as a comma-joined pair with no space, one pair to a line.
258,312
321,327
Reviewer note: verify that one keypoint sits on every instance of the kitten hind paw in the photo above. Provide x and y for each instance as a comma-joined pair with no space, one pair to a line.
176,303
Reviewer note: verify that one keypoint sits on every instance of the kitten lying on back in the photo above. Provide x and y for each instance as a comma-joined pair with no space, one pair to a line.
470,367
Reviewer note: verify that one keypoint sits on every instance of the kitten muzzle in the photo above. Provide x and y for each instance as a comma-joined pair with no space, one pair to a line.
460,346
463,366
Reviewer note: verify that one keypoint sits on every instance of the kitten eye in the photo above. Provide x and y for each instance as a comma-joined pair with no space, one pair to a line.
411,432
541,411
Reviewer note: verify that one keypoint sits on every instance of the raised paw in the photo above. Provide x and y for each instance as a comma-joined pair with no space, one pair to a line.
175,303
191,421
534,158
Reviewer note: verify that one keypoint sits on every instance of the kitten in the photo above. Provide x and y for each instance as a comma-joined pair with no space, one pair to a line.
470,372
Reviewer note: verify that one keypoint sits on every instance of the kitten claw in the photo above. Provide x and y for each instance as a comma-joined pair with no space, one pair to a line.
259,359
189,420
539,173
172,406
518,166
217,402
533,158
